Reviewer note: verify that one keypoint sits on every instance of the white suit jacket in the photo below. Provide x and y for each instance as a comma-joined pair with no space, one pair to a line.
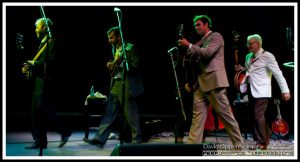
259,74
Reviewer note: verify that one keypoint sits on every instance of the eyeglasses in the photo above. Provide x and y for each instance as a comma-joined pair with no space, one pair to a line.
197,25
250,44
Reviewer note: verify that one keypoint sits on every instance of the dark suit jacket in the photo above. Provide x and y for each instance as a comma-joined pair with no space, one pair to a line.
43,75
133,77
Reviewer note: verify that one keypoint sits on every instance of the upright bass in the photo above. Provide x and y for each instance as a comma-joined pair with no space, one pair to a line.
239,76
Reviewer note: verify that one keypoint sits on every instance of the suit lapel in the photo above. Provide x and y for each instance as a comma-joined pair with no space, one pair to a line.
203,40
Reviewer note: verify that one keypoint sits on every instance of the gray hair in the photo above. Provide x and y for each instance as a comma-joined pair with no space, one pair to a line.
50,23
255,37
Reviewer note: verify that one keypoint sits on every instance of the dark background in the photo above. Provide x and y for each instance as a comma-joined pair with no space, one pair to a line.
84,49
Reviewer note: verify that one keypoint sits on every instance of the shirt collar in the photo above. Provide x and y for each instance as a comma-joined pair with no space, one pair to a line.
207,34
259,52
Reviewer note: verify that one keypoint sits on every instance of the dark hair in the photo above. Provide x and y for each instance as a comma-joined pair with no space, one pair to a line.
205,19
114,29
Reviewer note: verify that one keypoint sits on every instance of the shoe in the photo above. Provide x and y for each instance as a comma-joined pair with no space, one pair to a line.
113,136
179,140
36,146
268,140
64,139
238,147
100,146
94,142
261,147
135,142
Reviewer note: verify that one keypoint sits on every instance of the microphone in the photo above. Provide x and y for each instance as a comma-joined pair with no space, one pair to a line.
116,9
172,49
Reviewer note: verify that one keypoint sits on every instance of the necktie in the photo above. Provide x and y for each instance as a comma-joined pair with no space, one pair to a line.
252,59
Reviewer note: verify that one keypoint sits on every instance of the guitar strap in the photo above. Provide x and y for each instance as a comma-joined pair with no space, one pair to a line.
40,52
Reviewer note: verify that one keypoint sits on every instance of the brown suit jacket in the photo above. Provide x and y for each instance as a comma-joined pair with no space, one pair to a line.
210,54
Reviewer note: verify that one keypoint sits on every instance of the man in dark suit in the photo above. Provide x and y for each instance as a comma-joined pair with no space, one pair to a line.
41,70
208,55
126,85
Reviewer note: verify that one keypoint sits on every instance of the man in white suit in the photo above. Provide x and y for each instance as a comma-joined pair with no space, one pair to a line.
260,65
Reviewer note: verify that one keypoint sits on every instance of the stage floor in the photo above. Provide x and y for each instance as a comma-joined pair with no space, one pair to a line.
76,148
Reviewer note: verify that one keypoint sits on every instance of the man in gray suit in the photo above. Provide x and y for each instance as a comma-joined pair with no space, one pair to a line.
208,54
126,85
260,66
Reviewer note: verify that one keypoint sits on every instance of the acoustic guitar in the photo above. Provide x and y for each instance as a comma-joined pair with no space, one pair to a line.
28,66
118,59
20,42
190,65
113,66
20,48
279,126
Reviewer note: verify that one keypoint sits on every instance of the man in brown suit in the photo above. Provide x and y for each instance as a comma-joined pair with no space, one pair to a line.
208,54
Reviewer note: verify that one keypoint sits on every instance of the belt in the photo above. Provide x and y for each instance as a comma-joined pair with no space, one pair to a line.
118,79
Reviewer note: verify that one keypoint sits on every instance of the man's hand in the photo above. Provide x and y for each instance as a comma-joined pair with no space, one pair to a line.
27,66
238,68
183,42
110,65
188,88
286,96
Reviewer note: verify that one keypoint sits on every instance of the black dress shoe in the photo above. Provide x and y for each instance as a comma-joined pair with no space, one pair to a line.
64,139
259,147
94,142
36,146
136,142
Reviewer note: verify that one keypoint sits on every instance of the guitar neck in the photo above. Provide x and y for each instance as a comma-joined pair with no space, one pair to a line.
278,109
278,112
236,57
235,46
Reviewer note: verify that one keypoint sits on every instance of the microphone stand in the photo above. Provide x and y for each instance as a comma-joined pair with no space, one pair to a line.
41,150
179,96
123,44
121,137
46,21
